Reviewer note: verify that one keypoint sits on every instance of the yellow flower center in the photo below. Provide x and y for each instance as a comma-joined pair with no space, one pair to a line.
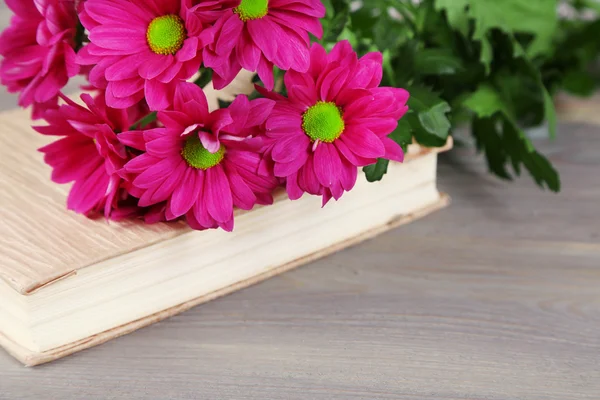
252,9
323,122
166,34
197,156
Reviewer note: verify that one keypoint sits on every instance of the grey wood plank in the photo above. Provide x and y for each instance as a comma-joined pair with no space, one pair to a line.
496,297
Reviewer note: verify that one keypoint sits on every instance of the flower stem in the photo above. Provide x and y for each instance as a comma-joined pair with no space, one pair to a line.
142,122
80,36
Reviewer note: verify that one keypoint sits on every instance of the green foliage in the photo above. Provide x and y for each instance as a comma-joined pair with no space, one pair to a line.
497,132
144,121
403,134
437,62
375,172
205,77
491,65
428,116
533,17
337,18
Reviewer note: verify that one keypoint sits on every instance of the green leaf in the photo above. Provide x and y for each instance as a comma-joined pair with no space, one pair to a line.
437,61
580,83
349,35
389,34
363,20
144,121
421,135
534,17
521,150
487,53
512,144
223,103
488,139
403,134
339,17
550,112
521,92
407,10
543,172
204,78
80,36
388,69
427,116
456,13
486,101
591,4
435,120
403,62
549,108
329,10
422,98
375,172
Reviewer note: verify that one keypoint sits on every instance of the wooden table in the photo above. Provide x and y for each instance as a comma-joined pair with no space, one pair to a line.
496,297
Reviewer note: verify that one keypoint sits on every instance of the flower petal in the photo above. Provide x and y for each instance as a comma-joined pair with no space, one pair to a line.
158,94
393,151
243,197
219,201
185,194
327,164
363,143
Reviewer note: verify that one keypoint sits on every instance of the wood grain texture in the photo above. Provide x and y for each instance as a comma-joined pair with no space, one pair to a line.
497,297
39,240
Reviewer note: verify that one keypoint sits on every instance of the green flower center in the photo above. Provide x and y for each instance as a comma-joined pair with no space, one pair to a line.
252,9
323,122
197,156
166,34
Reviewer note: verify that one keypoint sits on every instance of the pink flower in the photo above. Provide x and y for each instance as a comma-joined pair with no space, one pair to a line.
257,34
141,49
202,164
129,209
334,120
38,51
89,152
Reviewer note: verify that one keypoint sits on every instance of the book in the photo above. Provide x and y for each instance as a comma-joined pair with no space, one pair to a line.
68,283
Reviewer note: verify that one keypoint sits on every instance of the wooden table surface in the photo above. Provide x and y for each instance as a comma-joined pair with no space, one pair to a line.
495,297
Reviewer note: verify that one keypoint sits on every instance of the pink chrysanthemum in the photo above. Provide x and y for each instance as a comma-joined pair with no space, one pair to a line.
89,152
38,51
257,34
334,120
203,164
141,48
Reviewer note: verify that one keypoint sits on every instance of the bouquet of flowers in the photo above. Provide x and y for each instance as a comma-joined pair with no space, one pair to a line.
142,142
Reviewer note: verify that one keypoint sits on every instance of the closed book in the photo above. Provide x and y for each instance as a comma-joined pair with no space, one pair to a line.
68,282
